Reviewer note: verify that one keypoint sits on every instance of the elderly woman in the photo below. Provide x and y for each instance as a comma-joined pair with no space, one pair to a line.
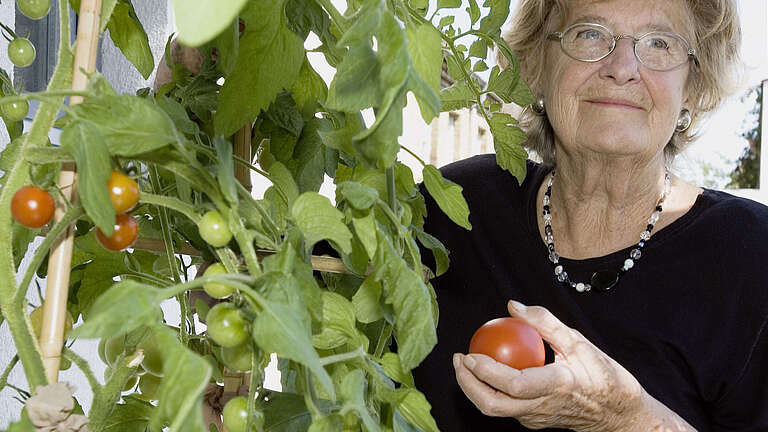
651,292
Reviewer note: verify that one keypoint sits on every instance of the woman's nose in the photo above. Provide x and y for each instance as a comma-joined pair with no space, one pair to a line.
621,65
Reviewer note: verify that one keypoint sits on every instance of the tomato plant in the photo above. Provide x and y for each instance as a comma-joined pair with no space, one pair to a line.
123,192
36,318
34,9
32,206
186,140
510,341
226,325
21,52
236,414
217,290
126,232
14,111
214,230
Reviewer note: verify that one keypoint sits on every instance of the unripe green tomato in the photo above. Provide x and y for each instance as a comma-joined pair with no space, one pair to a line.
237,358
113,347
153,357
214,230
236,414
34,9
64,364
15,111
21,52
149,385
226,325
36,317
216,289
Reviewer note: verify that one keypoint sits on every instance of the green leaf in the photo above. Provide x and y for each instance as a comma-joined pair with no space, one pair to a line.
446,21
227,44
319,220
287,412
406,292
508,139
358,195
448,4
201,23
438,250
338,322
366,301
355,85
185,377
332,423
448,196
177,114
126,306
427,57
479,49
308,90
419,4
283,180
129,125
496,17
283,326
457,96
131,416
353,391
128,34
283,112
308,162
390,362
479,66
87,146
414,407
268,61
365,228
226,169
474,11
510,87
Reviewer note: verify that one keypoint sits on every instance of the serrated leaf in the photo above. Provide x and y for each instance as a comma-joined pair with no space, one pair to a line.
474,11
365,228
406,292
338,322
446,20
479,66
86,145
414,407
427,58
284,113
507,139
308,90
355,85
366,301
353,391
308,161
130,416
201,23
177,114
319,220
268,61
129,36
438,250
283,180
390,362
497,16
456,97
358,195
479,49
448,196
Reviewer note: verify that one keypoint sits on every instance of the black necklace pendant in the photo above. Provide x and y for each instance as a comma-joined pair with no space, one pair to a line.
604,280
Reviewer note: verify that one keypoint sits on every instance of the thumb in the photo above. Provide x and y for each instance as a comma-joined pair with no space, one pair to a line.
560,337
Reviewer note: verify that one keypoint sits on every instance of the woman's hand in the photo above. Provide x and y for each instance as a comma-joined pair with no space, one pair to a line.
583,390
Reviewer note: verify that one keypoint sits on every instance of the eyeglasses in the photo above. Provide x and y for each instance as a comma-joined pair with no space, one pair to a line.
657,50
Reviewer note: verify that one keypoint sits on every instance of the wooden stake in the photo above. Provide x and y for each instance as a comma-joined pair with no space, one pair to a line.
60,260
243,150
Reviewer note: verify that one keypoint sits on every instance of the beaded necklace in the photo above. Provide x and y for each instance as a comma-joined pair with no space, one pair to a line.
601,280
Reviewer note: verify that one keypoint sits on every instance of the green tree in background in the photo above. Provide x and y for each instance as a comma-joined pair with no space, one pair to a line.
747,171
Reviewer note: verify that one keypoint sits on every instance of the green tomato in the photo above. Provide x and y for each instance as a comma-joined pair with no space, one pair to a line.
15,111
216,289
236,414
214,230
237,358
64,364
113,347
226,326
21,52
34,9
153,357
149,385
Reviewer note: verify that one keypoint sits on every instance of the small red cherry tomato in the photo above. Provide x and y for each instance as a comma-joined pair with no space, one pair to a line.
510,341
123,191
126,231
32,206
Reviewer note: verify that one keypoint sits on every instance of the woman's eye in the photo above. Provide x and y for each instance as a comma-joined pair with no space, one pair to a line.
658,43
589,34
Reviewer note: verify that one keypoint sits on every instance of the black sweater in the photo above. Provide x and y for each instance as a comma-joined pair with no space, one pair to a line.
688,321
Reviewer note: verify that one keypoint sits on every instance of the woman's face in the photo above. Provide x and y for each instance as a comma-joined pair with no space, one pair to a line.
616,106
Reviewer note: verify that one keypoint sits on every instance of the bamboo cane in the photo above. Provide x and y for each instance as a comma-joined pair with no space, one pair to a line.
60,260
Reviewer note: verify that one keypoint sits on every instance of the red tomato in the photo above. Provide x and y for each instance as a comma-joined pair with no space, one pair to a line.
510,341
32,206
126,231
123,191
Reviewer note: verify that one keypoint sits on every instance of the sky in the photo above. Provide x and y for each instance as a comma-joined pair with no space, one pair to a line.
708,161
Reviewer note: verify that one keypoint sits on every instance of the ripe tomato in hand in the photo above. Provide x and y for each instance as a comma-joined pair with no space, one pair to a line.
510,341
32,206
123,192
126,231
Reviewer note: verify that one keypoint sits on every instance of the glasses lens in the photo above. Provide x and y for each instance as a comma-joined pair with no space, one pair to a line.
662,51
587,42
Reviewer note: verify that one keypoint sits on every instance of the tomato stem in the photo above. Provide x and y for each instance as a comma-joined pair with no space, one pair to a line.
7,371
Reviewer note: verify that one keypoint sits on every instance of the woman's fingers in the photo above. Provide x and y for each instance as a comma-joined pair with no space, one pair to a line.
563,339
529,383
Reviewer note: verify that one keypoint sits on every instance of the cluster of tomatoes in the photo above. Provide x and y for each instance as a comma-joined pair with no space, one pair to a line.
33,207
148,376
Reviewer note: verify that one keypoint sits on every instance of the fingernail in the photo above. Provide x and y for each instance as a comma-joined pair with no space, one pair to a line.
469,362
456,360
519,307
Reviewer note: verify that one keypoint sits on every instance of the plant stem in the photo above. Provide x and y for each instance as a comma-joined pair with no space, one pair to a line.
336,16
7,371
43,96
70,216
171,203
414,155
257,378
358,353
165,227
245,241
84,367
